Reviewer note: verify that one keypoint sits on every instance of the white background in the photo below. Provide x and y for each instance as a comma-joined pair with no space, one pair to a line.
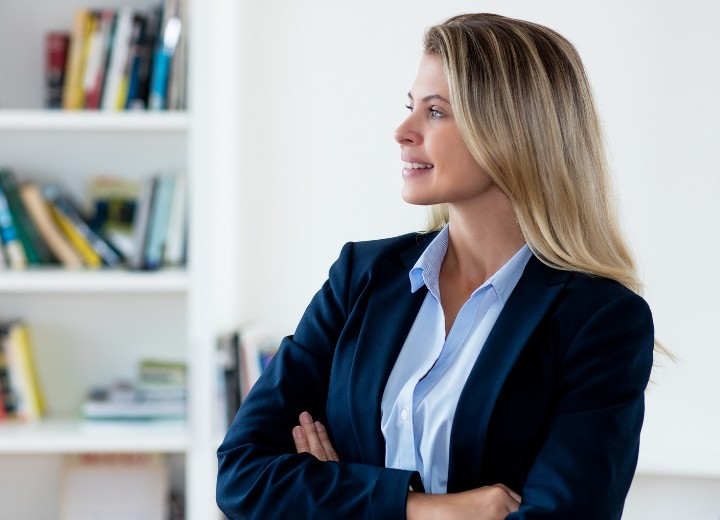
323,85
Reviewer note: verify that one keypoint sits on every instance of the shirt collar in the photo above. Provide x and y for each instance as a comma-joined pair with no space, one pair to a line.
426,270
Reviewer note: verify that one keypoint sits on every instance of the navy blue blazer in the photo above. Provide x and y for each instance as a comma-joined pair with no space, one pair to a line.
552,408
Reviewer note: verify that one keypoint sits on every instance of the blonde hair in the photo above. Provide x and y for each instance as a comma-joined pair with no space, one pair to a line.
525,109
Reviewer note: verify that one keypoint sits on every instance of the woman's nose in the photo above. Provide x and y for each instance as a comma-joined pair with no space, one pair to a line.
406,134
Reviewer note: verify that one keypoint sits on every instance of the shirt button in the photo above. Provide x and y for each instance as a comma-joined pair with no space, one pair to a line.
404,415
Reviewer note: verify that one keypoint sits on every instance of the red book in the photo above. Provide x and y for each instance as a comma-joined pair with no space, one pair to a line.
56,49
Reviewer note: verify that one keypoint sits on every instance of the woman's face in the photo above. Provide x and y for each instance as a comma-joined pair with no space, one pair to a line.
438,165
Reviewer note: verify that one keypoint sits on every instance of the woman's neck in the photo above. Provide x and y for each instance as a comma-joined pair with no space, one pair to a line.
482,238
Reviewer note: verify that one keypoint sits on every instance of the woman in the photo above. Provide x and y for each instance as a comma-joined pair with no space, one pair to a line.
493,367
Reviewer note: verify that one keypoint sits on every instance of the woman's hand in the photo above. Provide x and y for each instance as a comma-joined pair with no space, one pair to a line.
485,503
311,437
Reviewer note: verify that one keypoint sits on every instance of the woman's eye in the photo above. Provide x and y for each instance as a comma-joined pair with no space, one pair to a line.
435,114
409,107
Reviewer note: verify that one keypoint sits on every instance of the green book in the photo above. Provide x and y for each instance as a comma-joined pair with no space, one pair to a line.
36,250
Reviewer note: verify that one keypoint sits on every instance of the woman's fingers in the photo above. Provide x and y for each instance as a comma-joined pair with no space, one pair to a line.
301,443
515,496
311,437
310,432
325,441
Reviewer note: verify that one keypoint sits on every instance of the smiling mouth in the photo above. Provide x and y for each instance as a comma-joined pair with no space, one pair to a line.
417,166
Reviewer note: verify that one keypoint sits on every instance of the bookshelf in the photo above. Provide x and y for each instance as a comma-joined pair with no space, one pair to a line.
54,436
40,120
91,326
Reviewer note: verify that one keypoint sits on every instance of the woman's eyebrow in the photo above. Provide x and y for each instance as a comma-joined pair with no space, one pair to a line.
430,98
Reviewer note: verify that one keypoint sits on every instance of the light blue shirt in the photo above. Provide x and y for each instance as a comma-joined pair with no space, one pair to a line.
420,397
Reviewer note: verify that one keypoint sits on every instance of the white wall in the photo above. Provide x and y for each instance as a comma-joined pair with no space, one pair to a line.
324,87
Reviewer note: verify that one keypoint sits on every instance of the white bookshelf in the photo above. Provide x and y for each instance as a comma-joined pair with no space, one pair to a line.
29,120
49,280
54,436
90,326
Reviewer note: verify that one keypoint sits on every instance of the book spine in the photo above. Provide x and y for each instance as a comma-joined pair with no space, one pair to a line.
132,72
35,247
53,236
7,405
56,51
95,73
177,86
159,222
97,243
73,94
13,248
3,260
167,45
24,362
141,222
177,225
88,254
112,95
72,89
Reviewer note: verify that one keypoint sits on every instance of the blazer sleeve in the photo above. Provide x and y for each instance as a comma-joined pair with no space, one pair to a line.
260,475
587,462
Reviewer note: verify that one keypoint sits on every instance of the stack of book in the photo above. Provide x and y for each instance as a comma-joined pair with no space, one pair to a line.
160,392
140,225
118,59
21,397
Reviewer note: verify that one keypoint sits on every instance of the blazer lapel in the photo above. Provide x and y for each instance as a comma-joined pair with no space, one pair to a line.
391,311
536,290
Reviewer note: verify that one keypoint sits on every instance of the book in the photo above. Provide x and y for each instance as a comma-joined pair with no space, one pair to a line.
177,83
158,225
135,56
257,349
29,402
115,90
229,380
56,51
160,372
139,87
141,222
114,486
111,206
176,242
164,53
159,392
3,261
73,93
100,44
36,249
9,236
90,244
108,404
53,236
7,397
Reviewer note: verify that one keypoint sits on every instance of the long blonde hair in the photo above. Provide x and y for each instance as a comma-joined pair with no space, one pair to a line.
525,109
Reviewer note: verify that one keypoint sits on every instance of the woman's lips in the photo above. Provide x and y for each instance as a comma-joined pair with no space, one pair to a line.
413,169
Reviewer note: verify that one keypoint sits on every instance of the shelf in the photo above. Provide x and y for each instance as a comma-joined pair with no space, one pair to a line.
78,436
670,461
54,280
17,120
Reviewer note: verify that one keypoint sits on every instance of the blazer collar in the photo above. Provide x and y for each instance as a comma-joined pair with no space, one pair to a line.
537,289
390,313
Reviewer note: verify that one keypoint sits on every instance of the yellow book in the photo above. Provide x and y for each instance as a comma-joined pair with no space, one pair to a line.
73,92
90,257
22,364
